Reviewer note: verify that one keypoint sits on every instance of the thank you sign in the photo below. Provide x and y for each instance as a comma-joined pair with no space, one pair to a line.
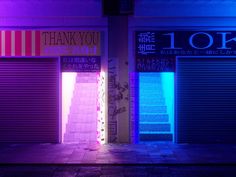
64,43
157,50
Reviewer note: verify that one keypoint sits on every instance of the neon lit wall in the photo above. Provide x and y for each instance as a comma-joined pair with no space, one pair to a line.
101,121
68,83
168,82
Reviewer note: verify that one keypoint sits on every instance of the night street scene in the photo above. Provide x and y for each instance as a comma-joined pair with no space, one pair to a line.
117,88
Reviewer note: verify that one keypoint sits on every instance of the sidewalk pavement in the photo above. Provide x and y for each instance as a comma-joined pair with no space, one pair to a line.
143,153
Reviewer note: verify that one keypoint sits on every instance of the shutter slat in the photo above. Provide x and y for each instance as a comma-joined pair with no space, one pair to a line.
29,100
206,100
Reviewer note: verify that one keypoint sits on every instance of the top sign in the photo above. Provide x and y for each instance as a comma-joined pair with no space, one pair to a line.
156,50
196,43
49,43
83,43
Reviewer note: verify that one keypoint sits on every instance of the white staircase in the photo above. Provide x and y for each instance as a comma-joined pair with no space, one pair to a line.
82,120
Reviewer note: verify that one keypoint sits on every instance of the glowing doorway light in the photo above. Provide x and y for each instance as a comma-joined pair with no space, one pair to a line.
68,83
156,106
168,88
101,137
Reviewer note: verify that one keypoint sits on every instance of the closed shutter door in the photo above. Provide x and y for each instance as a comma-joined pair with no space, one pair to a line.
206,100
29,100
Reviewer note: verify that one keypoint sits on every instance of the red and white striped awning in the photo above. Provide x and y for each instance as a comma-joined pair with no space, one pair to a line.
19,43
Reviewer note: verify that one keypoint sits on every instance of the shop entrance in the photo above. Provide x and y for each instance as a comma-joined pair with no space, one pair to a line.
80,107
156,106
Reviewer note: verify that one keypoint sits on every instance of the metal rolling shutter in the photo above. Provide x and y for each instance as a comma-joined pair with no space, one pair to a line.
206,100
29,100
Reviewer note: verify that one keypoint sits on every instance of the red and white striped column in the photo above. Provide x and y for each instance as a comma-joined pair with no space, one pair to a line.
19,43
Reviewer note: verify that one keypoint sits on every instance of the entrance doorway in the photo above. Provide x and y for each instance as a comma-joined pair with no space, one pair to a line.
80,107
156,106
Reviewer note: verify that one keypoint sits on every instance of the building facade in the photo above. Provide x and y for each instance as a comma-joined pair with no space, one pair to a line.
183,54
70,72
53,71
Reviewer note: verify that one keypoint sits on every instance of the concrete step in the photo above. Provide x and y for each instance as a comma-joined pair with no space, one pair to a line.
82,120
83,109
153,126
151,100
86,80
82,137
150,74
152,109
144,95
86,74
150,79
151,85
148,93
85,118
81,127
154,117
85,99
84,87
79,123
84,94
80,116
151,91
81,130
146,136
78,102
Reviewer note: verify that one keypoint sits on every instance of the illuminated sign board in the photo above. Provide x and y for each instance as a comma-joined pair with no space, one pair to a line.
156,50
70,43
50,43
80,64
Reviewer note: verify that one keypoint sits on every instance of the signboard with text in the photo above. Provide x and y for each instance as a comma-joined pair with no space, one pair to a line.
157,50
50,43
59,43
80,64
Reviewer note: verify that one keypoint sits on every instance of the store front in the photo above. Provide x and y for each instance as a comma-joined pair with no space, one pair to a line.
52,87
83,100
184,86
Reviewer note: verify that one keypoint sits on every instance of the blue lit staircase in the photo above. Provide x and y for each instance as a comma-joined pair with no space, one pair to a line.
154,121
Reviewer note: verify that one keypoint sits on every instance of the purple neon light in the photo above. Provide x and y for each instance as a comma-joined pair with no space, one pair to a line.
101,128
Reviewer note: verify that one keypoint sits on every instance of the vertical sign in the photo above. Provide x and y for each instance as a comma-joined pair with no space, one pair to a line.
147,59
146,43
